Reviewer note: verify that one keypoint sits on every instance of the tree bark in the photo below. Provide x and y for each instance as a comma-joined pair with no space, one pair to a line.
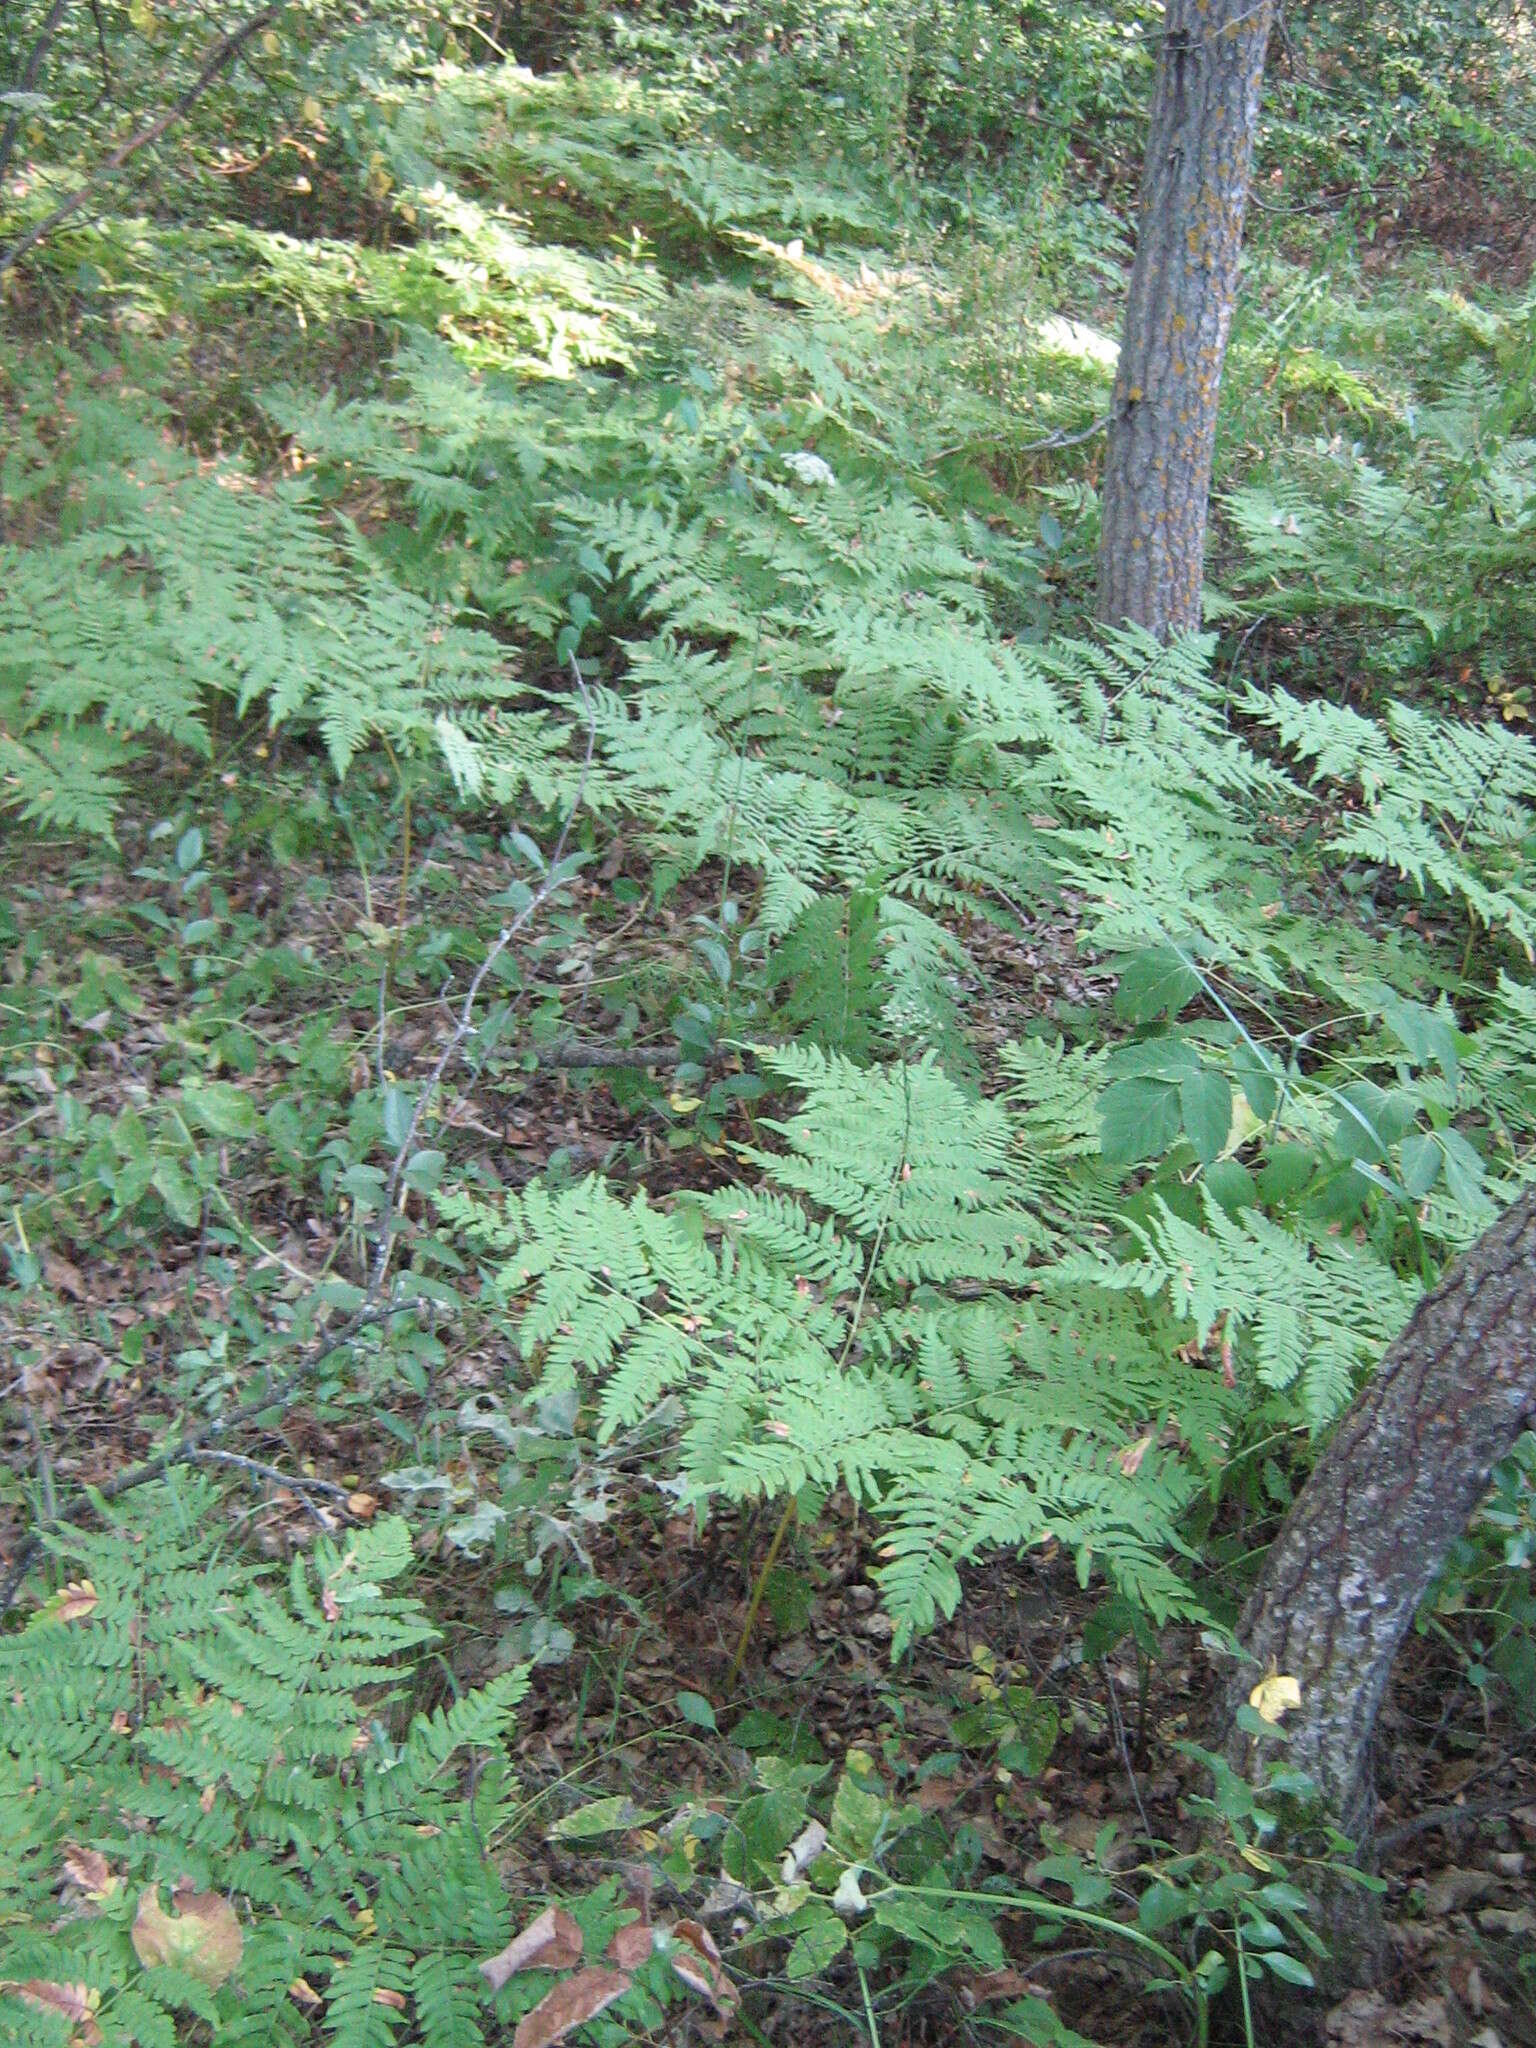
1368,1533
1194,192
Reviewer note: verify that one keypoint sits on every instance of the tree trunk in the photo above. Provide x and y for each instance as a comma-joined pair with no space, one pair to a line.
1194,191
1368,1533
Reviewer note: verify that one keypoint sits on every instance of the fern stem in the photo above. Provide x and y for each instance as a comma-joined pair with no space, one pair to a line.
405,858
869,2009
759,1587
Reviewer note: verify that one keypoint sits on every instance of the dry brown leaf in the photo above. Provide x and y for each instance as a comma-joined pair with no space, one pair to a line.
395,2000
64,1275
631,1945
203,1937
1130,1459
552,1942
573,2002
990,1985
89,1869
935,1795
362,1506
75,2002
77,1600
697,1961
303,1992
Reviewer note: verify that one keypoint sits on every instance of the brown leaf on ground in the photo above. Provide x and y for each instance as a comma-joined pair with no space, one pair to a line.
989,1985
76,2003
573,2002
552,1942
202,1937
630,1946
89,1869
76,1602
63,1274
1367,2020
697,1961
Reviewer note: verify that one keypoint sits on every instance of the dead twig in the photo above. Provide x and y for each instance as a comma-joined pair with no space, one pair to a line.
192,1443
464,1020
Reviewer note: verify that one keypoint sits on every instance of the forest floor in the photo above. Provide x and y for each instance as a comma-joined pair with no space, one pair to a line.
640,1605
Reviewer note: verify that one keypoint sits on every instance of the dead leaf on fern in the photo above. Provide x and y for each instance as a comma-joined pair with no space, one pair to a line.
573,2002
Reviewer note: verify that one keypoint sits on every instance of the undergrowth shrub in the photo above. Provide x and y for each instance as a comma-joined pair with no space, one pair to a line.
1423,565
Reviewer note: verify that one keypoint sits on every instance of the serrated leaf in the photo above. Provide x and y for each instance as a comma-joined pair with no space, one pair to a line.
610,1816
220,1107
1205,1106
1138,1119
816,1946
1156,983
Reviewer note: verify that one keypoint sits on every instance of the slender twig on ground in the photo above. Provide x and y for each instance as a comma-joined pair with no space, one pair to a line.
465,1018
256,1468
189,1443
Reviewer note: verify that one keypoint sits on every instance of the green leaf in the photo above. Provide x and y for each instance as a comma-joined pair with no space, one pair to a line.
1139,1119
612,1816
1160,1905
1287,1969
1205,1103
1422,1160
857,1817
178,1193
816,1946
425,1171
1155,983
696,1710
220,1107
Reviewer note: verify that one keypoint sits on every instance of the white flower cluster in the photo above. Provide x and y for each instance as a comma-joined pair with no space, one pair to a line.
810,469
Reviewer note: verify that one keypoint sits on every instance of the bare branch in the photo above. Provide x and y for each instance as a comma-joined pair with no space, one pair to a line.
222,54
464,1021
28,79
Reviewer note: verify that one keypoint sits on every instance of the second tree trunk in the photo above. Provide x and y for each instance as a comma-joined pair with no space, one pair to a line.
1157,473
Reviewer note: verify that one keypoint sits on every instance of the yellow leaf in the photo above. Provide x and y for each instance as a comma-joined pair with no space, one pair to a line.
1258,1861
1274,1696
